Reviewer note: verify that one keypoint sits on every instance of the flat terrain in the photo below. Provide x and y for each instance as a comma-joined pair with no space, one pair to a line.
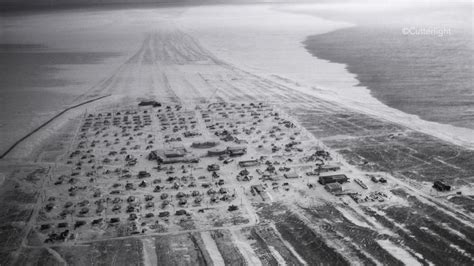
233,176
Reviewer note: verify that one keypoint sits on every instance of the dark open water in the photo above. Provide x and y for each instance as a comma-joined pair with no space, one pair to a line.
427,75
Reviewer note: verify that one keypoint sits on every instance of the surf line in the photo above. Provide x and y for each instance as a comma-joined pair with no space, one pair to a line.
49,121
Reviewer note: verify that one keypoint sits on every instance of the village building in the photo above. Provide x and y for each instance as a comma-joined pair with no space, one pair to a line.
149,103
213,167
190,134
244,172
249,163
333,187
323,180
329,168
257,189
216,152
271,168
245,178
236,151
441,186
173,155
291,175
204,144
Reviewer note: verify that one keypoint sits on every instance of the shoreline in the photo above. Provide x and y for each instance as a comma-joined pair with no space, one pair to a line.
416,88
84,184
298,70
343,89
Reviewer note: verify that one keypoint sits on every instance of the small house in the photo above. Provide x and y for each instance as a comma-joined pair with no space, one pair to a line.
204,144
257,189
216,152
441,186
248,163
213,167
333,187
291,175
236,151
329,168
149,103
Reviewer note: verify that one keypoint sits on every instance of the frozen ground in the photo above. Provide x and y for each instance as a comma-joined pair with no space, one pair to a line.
85,48
171,61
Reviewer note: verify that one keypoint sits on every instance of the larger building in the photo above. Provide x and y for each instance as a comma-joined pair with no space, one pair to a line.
323,180
173,155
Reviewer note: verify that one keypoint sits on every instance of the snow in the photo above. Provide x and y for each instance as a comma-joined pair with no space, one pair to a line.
211,247
245,248
398,252
352,218
267,41
149,252
277,256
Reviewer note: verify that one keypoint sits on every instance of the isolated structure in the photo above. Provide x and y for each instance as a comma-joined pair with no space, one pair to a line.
150,103
441,186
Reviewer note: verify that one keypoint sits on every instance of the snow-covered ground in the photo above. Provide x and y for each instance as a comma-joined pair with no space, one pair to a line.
261,39
267,41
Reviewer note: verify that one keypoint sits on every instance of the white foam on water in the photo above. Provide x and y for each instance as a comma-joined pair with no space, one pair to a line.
268,41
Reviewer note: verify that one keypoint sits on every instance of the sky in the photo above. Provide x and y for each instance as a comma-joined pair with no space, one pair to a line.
62,3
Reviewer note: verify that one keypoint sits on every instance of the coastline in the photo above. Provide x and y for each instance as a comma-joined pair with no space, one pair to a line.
435,86
321,78
83,188
256,49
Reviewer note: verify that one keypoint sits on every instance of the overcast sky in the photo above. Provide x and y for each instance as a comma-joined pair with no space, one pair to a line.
6,5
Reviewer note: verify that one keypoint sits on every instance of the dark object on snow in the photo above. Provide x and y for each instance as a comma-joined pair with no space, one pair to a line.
181,212
441,186
79,224
323,180
164,214
213,167
149,103
232,208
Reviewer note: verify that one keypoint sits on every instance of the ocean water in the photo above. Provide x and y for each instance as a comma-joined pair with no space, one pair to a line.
48,59
428,73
